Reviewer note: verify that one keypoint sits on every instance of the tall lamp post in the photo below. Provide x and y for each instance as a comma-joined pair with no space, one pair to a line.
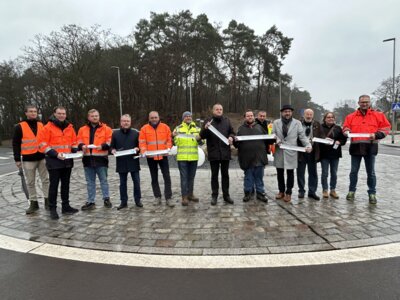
394,85
119,89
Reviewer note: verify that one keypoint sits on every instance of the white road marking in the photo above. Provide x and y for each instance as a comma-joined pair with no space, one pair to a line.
202,262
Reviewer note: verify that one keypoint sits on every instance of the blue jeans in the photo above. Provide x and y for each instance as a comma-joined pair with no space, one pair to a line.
123,189
253,177
369,161
325,164
187,170
90,175
309,162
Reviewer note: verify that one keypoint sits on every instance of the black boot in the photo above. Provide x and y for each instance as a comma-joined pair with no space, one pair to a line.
67,209
247,197
33,206
262,197
54,214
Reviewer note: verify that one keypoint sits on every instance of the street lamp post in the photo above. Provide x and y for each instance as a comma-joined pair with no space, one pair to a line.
280,92
190,96
394,85
119,89
290,93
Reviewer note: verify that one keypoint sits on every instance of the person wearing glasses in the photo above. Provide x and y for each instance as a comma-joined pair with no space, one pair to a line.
330,154
369,121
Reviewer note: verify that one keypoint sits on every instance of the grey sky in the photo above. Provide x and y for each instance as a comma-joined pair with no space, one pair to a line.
337,52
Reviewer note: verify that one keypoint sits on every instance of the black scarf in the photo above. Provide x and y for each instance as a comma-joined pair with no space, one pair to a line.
285,126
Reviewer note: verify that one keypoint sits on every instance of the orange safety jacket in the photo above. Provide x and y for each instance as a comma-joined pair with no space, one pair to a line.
29,142
371,122
102,136
51,137
151,139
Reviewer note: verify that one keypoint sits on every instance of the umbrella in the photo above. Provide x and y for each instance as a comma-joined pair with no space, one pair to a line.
23,182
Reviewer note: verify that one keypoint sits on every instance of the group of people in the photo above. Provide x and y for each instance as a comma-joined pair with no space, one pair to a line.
48,148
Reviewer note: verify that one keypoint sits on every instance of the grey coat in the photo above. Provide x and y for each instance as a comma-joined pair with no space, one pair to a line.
287,159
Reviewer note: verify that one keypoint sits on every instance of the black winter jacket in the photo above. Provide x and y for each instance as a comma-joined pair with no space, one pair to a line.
327,151
251,153
125,139
217,149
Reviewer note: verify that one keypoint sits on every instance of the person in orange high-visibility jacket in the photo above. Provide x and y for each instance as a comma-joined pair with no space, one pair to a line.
374,123
152,137
58,138
28,157
94,139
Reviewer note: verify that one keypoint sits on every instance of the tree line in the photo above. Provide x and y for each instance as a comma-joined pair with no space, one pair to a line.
166,59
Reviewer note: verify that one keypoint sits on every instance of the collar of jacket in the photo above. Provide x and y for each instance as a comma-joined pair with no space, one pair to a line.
155,125
190,125
263,123
125,130
88,123
359,112
58,123
249,125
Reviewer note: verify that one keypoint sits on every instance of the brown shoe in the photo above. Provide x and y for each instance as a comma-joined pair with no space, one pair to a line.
287,198
185,201
193,198
279,196
325,194
333,194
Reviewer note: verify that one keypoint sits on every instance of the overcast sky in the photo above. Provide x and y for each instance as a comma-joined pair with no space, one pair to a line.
337,52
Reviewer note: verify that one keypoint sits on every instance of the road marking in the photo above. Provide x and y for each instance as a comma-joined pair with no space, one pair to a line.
4,175
202,262
3,157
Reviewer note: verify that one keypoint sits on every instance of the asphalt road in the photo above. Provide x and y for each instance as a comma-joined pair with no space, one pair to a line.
28,276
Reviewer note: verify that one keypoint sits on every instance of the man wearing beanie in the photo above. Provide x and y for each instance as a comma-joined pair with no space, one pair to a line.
185,138
219,154
287,130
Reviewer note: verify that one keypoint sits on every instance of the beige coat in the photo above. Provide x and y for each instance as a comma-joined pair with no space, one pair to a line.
287,159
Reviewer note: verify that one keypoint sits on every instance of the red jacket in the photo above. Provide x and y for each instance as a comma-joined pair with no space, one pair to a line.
372,122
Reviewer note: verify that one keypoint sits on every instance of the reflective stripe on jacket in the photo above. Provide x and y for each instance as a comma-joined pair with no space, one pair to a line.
29,142
151,139
52,137
102,136
186,142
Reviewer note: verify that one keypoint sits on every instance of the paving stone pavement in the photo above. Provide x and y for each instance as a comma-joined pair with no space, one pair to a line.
201,229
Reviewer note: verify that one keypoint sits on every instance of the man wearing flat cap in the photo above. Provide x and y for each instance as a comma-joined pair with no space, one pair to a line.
185,138
287,130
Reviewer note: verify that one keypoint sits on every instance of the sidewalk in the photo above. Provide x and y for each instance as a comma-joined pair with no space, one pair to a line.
201,229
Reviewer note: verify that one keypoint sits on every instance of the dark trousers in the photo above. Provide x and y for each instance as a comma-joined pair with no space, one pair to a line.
309,162
289,180
123,188
55,176
164,166
215,165
187,170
